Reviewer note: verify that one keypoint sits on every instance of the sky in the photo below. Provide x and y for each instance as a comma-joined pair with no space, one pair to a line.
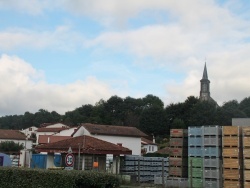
59,55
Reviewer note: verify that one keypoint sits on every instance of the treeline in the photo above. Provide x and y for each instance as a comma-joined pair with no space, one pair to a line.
148,114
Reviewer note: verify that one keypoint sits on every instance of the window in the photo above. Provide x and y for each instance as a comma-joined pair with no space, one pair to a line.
149,149
153,148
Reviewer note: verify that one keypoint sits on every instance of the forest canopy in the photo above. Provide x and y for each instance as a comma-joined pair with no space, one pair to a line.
147,114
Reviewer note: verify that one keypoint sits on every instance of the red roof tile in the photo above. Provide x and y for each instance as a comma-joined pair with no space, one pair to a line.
44,129
88,144
146,141
12,134
45,139
113,130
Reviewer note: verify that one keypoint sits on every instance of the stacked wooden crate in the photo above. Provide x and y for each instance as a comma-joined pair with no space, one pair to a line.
178,153
195,157
232,156
246,156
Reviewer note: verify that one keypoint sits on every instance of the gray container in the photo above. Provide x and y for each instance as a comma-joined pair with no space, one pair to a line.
195,151
212,130
194,131
129,163
212,162
212,183
212,152
211,141
194,141
213,173
177,182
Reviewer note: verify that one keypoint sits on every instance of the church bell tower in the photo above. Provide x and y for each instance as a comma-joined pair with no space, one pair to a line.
205,86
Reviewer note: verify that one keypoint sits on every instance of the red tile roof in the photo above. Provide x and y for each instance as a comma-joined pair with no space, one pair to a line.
45,139
88,145
113,130
147,142
55,130
12,134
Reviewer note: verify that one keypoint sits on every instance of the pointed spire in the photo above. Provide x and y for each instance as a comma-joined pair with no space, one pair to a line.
205,77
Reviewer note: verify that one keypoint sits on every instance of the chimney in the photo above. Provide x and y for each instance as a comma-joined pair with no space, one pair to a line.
119,144
153,138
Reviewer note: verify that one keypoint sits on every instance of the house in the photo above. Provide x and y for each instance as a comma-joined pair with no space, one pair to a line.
46,139
19,138
148,146
87,151
129,137
29,131
50,129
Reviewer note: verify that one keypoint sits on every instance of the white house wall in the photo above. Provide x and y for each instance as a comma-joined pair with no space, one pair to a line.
81,131
57,125
132,143
67,132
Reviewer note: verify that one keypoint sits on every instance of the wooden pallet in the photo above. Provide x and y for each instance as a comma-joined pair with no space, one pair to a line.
232,183
231,131
178,161
177,133
232,174
232,163
231,152
231,141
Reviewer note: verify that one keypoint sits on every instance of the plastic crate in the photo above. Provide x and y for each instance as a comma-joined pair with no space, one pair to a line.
212,152
211,141
195,151
177,182
196,182
196,161
194,131
195,172
212,162
212,183
194,141
213,173
212,130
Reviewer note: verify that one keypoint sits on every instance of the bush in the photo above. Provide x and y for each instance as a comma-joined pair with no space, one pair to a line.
38,178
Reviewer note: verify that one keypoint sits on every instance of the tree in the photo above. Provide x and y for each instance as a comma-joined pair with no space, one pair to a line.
153,121
10,146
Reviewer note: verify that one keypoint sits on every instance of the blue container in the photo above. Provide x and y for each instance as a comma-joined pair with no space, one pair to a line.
195,151
194,141
194,131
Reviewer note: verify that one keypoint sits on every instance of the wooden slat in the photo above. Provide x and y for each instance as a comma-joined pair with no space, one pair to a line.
246,163
233,174
231,130
246,131
178,133
178,161
181,142
231,141
246,175
246,152
232,163
230,152
232,184
246,141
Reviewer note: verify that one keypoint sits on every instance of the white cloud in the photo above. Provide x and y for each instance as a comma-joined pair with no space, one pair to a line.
33,7
25,89
62,38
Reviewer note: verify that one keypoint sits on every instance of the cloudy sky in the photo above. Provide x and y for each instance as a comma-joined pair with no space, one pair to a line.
62,54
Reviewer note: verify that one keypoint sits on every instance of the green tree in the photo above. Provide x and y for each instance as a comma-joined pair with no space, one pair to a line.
8,146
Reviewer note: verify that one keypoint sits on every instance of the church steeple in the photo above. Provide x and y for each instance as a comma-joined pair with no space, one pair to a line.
205,77
205,88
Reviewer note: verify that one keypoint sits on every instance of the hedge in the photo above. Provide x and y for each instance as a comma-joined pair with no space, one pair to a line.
39,178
